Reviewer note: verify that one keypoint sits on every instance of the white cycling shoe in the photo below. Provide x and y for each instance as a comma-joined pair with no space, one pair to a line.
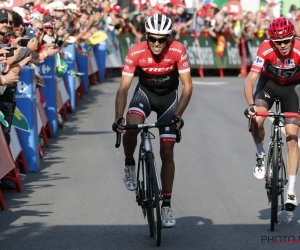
167,217
130,177
259,171
291,201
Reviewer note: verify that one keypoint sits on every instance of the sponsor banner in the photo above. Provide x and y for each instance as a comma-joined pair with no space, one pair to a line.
126,41
253,45
201,52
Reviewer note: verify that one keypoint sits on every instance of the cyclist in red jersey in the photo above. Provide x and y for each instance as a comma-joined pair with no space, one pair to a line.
160,61
277,66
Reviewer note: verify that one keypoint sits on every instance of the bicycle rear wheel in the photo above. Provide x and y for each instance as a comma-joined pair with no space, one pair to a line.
153,211
274,188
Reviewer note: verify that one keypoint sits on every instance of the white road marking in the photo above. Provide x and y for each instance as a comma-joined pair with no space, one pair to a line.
209,83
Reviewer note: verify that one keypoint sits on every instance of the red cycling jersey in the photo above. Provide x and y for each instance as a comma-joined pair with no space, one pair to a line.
282,69
160,73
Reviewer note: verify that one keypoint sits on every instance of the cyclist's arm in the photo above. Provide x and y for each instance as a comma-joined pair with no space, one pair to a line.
121,98
187,89
186,79
256,69
248,87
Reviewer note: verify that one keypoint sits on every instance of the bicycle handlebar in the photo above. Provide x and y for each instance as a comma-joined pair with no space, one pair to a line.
147,125
274,114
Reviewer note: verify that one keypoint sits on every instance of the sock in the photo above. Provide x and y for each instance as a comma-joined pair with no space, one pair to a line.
167,199
129,161
260,148
292,183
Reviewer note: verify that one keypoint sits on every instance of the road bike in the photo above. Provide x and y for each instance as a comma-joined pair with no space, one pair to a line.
275,169
149,191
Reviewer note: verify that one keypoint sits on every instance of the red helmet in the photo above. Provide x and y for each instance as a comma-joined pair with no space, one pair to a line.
281,28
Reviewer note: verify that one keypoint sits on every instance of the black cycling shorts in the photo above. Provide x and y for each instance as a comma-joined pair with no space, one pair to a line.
289,94
145,101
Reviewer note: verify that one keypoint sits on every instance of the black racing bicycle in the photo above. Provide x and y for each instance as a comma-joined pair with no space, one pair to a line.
148,191
276,170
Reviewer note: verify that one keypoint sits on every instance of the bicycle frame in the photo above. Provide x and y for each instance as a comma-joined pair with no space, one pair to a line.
146,148
276,140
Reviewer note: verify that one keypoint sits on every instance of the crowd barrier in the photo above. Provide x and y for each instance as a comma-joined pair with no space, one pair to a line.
44,95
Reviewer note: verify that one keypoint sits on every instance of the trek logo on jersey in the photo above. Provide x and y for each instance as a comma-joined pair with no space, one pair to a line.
289,62
258,61
137,52
128,60
176,50
183,58
158,69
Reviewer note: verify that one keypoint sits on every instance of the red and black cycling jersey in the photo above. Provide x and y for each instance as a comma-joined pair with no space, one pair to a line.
159,74
270,62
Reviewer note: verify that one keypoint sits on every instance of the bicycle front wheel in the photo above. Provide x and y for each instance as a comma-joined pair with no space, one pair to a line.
274,189
154,201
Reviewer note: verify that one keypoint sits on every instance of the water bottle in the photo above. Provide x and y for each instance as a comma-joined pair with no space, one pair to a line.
30,32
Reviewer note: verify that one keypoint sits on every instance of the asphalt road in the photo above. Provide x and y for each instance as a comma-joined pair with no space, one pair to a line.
78,199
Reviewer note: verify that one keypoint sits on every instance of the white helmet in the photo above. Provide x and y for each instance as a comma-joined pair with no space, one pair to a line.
159,24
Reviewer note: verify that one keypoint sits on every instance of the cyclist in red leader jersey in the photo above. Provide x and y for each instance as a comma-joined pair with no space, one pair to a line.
159,62
277,66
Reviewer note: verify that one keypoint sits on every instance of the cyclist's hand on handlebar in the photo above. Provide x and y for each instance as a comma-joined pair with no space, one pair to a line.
178,121
250,111
117,125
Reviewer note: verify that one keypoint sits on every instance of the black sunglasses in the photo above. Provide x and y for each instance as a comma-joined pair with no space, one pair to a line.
286,41
5,21
159,40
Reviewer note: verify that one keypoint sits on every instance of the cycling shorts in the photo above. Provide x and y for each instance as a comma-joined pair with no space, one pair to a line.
289,94
145,101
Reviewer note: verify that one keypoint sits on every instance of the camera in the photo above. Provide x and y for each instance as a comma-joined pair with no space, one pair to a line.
11,51
23,42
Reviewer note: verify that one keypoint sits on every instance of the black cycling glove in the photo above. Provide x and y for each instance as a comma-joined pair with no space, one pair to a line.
117,123
178,119
249,109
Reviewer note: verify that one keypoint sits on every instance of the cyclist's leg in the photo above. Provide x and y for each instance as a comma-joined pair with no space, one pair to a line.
139,109
263,102
290,103
165,111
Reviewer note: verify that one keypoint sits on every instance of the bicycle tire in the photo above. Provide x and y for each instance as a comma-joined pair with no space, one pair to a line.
274,193
268,184
147,206
154,204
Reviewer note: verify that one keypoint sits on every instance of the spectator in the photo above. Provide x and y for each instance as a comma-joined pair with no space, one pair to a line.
182,21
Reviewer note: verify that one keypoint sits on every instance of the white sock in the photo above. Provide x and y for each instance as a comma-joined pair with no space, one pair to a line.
260,148
292,183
